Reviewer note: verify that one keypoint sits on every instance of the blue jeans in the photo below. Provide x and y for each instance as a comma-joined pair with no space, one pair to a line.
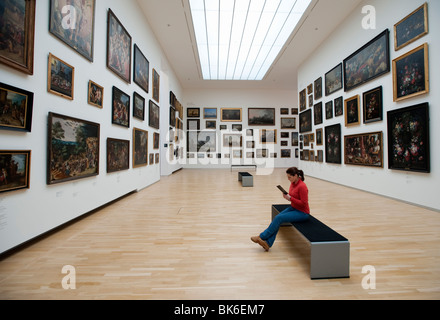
289,215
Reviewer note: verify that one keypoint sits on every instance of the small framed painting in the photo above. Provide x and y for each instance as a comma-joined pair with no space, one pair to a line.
333,80
15,167
333,144
231,114
140,148
118,155
61,77
141,72
138,106
373,105
95,95
352,111
16,106
120,108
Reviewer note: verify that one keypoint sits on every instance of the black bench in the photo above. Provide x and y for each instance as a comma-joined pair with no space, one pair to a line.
329,251
247,180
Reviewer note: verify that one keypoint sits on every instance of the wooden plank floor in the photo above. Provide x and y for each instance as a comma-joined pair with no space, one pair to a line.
187,237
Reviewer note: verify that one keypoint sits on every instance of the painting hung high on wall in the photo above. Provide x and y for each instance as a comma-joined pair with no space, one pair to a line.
18,23
141,72
368,63
364,149
118,48
412,27
261,116
411,74
14,170
16,106
408,139
76,27
352,111
333,80
73,149
231,114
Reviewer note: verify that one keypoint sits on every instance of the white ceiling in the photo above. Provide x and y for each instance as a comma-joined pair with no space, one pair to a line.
171,23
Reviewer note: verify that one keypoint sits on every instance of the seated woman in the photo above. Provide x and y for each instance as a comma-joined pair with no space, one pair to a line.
299,211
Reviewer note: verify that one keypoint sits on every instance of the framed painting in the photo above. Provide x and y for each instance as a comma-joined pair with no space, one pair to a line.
172,117
15,167
16,108
261,116
156,85
333,80
302,100
156,140
18,54
120,108
288,123
95,95
339,107
193,124
305,121
373,105
231,114
268,136
140,148
352,111
61,77
411,74
329,110
210,113
368,63
412,27
141,72
317,112
408,139
76,29
118,155
318,88
118,48
364,149
73,149
319,137
138,106
333,144
154,115
232,140
193,112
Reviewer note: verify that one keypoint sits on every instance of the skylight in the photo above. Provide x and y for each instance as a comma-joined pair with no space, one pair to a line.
240,39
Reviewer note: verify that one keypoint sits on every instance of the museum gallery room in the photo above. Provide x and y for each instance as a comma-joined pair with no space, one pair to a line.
145,146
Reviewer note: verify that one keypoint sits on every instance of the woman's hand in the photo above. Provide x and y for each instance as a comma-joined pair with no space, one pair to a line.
287,197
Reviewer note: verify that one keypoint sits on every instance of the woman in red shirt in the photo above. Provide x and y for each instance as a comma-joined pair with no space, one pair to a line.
299,210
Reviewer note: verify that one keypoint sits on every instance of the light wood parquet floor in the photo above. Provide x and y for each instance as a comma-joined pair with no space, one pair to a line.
187,237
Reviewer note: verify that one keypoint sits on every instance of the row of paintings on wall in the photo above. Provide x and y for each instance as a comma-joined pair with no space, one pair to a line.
19,16
16,107
408,142
73,153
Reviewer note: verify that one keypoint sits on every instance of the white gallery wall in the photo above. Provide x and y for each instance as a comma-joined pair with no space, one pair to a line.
25,214
244,99
418,188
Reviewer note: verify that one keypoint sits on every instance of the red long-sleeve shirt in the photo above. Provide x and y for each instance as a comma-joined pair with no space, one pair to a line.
300,196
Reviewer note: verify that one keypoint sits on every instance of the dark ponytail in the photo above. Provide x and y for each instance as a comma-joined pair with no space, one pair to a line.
293,171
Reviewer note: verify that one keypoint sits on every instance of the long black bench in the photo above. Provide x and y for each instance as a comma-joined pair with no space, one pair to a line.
329,251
